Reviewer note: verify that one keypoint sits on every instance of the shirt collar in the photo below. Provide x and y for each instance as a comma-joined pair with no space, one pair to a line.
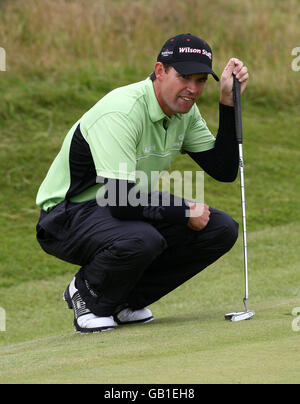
155,112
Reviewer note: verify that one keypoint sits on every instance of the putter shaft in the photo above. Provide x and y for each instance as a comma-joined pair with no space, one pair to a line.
244,223
239,316
239,138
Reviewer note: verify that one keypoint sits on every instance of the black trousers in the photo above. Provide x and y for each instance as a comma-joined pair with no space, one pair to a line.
132,263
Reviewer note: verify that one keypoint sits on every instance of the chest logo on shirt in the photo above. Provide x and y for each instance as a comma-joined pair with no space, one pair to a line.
149,149
179,142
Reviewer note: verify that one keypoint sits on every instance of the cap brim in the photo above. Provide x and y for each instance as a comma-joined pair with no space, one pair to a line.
187,68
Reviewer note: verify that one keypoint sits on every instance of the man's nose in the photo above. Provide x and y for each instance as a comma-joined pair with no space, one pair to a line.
192,87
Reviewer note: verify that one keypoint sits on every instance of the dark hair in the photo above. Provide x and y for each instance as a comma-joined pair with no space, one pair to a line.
166,67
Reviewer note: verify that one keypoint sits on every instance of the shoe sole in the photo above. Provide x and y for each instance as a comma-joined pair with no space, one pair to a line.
68,300
145,320
91,330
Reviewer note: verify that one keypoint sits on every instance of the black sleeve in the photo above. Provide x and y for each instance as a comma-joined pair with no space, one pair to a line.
222,162
155,206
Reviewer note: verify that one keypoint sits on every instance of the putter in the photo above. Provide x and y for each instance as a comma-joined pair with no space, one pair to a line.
244,315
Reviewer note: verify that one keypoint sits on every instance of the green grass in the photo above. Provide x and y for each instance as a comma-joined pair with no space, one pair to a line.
51,80
183,351
189,342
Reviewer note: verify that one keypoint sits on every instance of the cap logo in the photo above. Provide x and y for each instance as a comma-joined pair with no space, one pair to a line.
167,53
195,50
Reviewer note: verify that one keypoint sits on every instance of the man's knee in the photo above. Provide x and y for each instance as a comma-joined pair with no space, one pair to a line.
148,245
137,250
222,230
230,230
125,259
140,249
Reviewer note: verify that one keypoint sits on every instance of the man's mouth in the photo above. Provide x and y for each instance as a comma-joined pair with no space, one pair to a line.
190,99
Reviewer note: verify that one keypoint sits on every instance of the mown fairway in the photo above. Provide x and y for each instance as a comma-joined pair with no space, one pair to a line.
51,80
189,342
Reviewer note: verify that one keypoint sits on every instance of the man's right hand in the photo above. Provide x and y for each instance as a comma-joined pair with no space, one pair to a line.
199,216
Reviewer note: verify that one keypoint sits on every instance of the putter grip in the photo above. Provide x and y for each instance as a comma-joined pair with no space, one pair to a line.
237,110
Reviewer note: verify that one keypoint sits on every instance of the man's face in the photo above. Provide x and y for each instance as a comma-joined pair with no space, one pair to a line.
176,93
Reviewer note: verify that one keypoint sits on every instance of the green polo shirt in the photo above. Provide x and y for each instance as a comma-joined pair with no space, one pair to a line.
125,133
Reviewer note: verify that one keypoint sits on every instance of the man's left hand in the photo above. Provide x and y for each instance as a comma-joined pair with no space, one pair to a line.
236,67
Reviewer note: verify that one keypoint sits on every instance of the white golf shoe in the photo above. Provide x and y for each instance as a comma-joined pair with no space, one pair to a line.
84,320
128,316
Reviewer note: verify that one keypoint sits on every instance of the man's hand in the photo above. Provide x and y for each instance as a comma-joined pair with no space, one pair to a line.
199,216
236,67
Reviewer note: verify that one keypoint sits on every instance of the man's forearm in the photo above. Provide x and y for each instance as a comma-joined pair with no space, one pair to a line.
222,161
159,206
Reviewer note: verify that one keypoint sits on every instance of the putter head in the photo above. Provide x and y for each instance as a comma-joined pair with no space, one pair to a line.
239,316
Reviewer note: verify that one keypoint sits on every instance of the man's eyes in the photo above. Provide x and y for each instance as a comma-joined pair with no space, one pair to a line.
201,80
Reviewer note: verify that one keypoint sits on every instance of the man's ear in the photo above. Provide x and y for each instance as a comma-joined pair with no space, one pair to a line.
159,70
